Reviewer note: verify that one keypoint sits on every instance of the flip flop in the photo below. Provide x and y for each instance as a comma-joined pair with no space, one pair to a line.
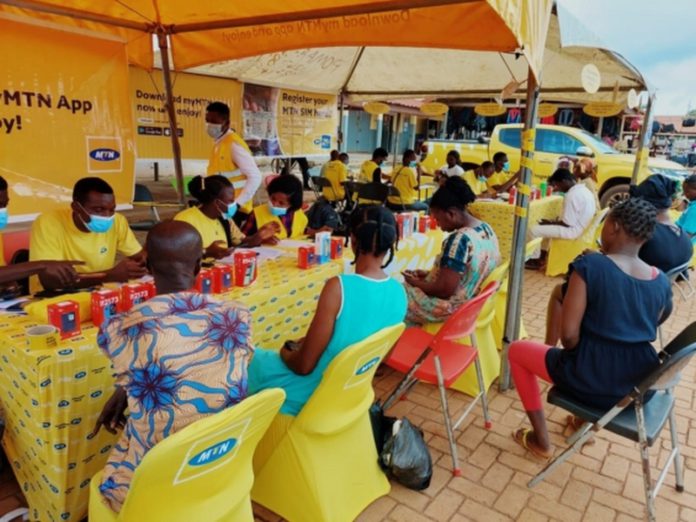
521,437
573,424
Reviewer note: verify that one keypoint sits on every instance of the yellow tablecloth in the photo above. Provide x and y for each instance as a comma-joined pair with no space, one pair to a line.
500,216
52,398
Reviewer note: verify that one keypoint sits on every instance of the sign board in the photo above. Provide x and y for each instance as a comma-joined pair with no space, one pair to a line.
602,109
489,109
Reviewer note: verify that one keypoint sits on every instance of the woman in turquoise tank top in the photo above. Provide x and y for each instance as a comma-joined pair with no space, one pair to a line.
350,309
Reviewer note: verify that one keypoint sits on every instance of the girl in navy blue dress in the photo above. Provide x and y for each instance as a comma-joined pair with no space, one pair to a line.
611,311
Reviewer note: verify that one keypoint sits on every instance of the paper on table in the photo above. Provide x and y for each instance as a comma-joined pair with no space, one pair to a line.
293,243
4,305
264,254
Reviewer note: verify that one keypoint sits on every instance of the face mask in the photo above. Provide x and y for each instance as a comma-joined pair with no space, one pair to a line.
99,224
214,130
482,179
413,164
277,211
506,166
3,218
231,210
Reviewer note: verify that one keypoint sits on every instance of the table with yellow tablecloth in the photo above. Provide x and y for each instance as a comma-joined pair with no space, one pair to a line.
52,398
500,215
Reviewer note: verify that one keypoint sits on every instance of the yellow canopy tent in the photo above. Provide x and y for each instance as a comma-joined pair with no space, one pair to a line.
210,31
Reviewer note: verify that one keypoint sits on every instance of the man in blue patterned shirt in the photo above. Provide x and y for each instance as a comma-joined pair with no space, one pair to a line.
177,358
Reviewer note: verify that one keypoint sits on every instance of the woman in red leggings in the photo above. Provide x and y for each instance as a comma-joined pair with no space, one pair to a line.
610,315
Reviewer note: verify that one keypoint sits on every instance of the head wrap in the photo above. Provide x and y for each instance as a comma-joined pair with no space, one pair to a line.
658,190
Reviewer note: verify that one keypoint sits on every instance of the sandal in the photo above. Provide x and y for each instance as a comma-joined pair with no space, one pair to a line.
521,437
573,424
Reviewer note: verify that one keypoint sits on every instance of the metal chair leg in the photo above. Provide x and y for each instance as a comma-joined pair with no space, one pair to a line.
567,453
659,337
482,391
407,382
456,470
678,464
645,461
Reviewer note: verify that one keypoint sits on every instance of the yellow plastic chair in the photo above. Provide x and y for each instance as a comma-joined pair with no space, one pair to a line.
202,472
563,251
322,464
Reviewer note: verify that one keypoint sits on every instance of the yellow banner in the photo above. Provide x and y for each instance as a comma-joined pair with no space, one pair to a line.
192,94
64,115
283,122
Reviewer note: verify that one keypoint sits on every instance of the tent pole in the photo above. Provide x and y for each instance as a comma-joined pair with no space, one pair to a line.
513,308
643,146
341,147
171,112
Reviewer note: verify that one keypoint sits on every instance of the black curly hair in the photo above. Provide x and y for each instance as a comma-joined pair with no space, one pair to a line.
375,231
637,217
209,188
290,186
455,193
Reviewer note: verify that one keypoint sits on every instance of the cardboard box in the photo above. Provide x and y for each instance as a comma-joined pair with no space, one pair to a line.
204,282
306,257
105,304
135,293
223,278
244,268
65,316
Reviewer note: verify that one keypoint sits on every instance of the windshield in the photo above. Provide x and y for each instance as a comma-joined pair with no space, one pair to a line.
598,144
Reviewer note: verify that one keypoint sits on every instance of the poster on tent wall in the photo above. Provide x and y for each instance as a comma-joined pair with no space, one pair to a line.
283,122
192,94
64,115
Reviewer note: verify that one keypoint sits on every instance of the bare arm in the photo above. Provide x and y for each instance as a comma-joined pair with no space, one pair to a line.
574,306
304,360
443,286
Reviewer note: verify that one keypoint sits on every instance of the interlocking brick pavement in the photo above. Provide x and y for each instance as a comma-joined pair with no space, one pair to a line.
603,482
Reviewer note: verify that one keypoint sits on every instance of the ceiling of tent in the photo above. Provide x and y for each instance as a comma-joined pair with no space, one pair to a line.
369,73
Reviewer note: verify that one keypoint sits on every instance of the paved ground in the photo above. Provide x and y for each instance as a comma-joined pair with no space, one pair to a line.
603,483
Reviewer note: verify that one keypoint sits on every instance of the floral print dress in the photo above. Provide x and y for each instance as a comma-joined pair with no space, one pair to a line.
473,253
180,357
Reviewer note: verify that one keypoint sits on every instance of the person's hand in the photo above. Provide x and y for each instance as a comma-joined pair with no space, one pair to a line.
113,416
546,222
273,240
268,231
59,274
411,279
218,250
127,269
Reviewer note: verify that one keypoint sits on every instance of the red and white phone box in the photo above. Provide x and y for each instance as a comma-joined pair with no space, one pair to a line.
135,293
244,268
65,316
306,257
204,282
336,247
105,304
223,279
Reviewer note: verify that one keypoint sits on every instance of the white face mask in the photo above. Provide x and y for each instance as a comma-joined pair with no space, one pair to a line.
214,130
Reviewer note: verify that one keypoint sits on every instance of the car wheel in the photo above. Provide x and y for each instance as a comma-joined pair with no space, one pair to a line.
614,195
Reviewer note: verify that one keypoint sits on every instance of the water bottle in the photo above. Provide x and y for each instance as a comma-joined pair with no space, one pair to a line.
543,188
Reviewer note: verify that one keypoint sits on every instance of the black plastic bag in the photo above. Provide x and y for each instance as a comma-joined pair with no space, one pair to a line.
405,456
381,425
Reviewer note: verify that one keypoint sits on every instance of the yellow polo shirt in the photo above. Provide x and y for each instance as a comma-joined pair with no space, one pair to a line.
406,182
211,230
54,236
477,186
497,178
367,170
336,172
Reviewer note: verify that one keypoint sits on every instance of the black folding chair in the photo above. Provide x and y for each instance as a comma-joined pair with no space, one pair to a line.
643,423
679,273
373,192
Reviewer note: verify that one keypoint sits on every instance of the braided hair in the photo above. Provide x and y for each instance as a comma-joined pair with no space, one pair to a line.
375,232
454,193
637,217
208,189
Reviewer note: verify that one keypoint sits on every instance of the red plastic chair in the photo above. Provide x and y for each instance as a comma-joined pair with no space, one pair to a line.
440,359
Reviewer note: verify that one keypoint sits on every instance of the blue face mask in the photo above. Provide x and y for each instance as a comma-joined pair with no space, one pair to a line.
277,211
3,218
506,166
231,210
482,179
98,224
413,164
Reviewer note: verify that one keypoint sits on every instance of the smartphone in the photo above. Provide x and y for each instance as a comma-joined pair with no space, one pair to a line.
293,346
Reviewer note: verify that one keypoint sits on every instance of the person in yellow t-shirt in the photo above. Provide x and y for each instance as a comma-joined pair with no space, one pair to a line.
336,172
405,180
89,231
284,208
367,171
213,218
478,177
501,180
62,271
